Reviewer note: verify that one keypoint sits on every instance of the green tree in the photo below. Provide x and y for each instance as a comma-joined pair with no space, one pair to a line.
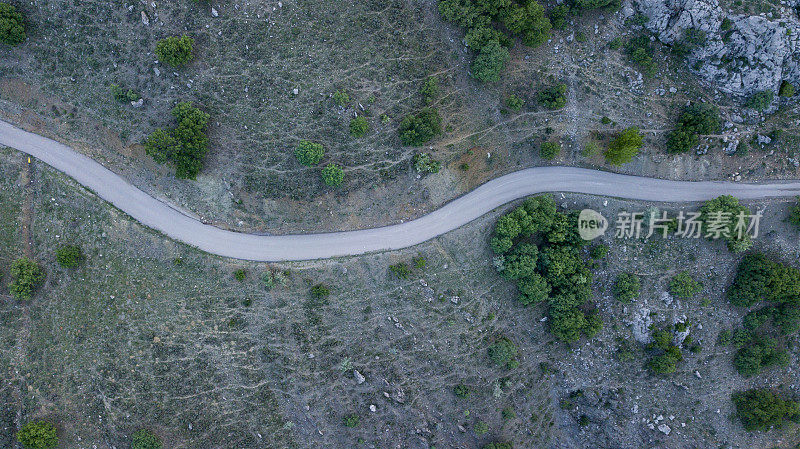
624,147
491,60
682,285
759,354
12,26
553,97
309,153
430,90
514,102
794,213
626,288
549,150
185,146
351,420
759,409
503,352
359,126
723,213
333,175
69,256
38,435
175,51
760,100
786,90
424,163
144,439
416,130
26,276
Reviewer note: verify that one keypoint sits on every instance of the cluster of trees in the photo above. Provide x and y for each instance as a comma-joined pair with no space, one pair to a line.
490,26
419,129
728,206
175,51
310,154
640,50
626,288
184,146
664,355
539,249
760,343
762,408
553,97
695,119
12,25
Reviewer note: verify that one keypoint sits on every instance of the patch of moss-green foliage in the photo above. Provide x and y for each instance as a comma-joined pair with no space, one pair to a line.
490,25
332,175
684,286
425,163
309,153
664,355
760,100
549,150
359,126
12,25
786,90
514,103
503,352
626,288
641,52
430,90
351,420
69,256
695,119
175,51
122,95
38,435
539,249
26,277
761,408
144,439
724,217
421,128
184,146
624,147
553,97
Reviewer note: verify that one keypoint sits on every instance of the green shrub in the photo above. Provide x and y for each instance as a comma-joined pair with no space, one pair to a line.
240,274
553,97
144,439
595,4
123,96
626,288
590,148
12,25
416,130
69,256
624,147
359,126
559,15
26,277
503,352
175,51
719,208
400,270
760,100
38,435
508,413
481,427
341,98
549,150
786,90
615,44
320,291
185,146
424,163
461,391
684,286
430,89
333,175
514,102
499,446
759,354
759,409
695,119
726,24
761,279
640,51
351,420
309,153
491,60
599,251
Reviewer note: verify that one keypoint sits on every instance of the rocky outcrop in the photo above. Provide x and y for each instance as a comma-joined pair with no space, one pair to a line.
754,53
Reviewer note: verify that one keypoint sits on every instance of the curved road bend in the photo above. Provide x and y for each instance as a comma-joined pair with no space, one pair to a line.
160,216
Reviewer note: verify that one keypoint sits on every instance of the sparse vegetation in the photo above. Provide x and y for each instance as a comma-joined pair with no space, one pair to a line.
760,100
514,103
144,439
424,163
549,150
430,90
553,97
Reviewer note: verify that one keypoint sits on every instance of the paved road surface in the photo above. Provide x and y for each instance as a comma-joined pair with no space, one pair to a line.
160,216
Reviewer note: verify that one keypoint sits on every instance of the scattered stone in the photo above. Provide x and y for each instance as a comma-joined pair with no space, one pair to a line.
372,408
145,19
214,12
138,103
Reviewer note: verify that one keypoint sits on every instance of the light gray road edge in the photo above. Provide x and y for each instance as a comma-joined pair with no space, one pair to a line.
160,216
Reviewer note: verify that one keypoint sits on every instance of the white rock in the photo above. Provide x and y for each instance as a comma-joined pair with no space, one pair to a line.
138,103
214,12
145,19
359,377
664,429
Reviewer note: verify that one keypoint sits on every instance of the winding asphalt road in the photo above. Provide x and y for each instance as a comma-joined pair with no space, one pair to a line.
160,216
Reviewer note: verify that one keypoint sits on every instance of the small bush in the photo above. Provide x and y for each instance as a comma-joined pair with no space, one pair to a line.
461,391
240,274
640,51
416,130
123,96
684,286
549,150
38,435
26,276
559,15
69,256
490,62
351,420
144,439
333,175
590,148
430,89
309,153
761,100
400,270
424,163
508,413
320,291
499,446
553,97
359,126
503,352
481,427
185,146
341,98
514,103
624,147
626,289
759,409
175,51
599,251
12,26
786,90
